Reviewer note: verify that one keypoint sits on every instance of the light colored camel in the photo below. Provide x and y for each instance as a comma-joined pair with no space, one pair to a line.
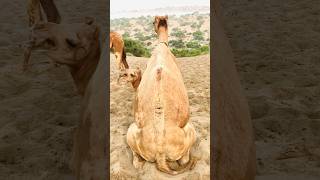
233,155
78,46
117,46
161,131
132,76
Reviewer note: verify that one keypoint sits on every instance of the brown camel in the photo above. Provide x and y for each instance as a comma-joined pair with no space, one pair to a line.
233,155
117,46
161,131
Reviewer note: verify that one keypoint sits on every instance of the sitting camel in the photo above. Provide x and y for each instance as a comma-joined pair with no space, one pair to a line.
161,131
117,45
77,46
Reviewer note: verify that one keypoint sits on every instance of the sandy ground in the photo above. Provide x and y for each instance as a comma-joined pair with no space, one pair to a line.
39,109
196,74
276,47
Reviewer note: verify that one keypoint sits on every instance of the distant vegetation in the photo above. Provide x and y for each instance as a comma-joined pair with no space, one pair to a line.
136,48
186,38
187,52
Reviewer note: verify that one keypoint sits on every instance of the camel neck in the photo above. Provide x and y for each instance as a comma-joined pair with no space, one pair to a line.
83,72
163,34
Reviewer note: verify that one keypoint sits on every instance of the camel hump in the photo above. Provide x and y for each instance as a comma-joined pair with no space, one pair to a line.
158,72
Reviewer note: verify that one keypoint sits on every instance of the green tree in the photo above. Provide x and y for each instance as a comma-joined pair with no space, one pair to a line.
136,48
198,35
177,43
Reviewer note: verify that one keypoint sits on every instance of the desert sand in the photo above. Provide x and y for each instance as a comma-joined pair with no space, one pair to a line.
276,48
39,108
196,74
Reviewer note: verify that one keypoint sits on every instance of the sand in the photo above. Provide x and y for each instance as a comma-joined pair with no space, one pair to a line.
276,47
39,108
196,74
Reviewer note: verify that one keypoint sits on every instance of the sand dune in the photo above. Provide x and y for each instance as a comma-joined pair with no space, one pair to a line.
276,47
196,74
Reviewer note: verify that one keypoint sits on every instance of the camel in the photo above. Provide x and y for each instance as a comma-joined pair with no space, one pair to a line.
132,76
161,131
78,46
35,17
117,45
233,154
67,44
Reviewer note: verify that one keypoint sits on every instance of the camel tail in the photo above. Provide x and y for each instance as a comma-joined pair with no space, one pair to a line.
163,165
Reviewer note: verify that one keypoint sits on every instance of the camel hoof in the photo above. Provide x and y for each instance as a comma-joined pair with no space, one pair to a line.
138,162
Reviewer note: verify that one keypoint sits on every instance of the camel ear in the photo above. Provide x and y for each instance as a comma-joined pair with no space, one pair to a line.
166,17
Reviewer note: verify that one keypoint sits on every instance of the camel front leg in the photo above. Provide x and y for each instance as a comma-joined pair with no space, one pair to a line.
120,64
190,140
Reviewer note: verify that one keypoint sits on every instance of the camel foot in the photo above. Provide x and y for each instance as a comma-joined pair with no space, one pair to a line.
138,161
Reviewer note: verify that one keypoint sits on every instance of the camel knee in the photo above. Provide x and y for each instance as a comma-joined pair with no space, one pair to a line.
131,136
191,133
185,158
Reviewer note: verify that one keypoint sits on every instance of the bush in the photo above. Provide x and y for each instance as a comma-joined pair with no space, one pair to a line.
126,35
136,48
198,35
177,33
177,43
187,52
193,44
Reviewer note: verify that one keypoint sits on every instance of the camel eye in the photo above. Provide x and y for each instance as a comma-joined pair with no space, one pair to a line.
132,75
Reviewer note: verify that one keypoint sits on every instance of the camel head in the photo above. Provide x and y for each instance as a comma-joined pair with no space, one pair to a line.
68,44
160,21
132,76
76,45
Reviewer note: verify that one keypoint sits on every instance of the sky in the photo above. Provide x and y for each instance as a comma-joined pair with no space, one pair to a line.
121,5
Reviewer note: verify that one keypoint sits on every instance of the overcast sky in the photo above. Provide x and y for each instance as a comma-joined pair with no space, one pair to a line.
121,5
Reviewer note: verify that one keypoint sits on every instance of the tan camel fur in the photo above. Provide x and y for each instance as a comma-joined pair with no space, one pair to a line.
161,131
117,46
